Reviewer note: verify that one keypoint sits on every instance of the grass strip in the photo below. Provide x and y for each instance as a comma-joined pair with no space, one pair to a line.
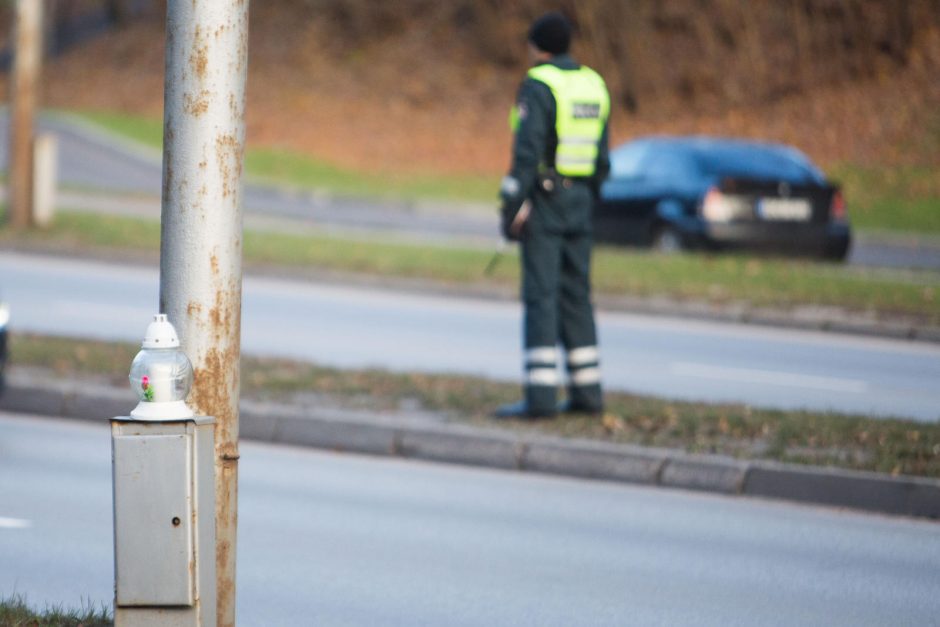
898,198
714,279
14,612
894,446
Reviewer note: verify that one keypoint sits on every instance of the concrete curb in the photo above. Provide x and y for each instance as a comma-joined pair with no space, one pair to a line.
423,439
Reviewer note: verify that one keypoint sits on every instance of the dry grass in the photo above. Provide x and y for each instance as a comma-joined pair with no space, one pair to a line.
344,82
14,612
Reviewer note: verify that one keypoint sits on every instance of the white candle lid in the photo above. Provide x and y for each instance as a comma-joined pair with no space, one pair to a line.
160,334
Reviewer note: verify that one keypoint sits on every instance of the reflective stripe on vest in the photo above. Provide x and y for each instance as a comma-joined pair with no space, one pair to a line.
582,106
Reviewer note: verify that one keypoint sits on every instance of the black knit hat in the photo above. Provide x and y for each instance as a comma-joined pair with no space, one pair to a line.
551,33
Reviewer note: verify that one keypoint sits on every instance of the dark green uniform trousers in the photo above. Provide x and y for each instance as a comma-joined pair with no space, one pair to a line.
556,292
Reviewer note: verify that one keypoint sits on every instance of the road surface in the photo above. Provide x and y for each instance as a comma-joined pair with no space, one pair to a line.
330,539
355,327
92,159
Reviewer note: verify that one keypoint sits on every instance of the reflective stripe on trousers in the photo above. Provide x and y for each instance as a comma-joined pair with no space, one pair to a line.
541,365
583,366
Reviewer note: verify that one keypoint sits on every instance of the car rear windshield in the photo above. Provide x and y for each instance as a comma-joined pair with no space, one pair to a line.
626,162
758,162
649,160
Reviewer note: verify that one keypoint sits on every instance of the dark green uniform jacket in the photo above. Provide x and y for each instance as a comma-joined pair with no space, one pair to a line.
534,145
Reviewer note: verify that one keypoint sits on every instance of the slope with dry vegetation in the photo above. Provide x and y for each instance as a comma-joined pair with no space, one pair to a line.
423,85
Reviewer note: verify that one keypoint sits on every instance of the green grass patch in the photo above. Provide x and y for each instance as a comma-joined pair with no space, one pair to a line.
375,257
893,446
900,198
299,170
720,279
768,282
14,612
292,168
90,231
144,130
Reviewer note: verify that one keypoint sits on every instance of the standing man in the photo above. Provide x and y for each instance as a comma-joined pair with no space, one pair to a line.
560,157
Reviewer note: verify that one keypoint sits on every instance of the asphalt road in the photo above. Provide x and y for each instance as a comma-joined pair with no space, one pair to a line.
91,159
332,539
361,326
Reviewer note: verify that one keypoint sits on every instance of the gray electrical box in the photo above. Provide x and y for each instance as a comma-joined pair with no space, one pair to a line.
164,520
153,512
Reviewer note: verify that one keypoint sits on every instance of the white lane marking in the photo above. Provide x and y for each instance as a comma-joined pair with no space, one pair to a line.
768,377
14,523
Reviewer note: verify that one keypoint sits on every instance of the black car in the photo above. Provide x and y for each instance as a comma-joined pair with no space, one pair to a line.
4,323
702,192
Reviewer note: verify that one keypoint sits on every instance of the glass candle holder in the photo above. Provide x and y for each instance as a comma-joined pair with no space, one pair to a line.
161,374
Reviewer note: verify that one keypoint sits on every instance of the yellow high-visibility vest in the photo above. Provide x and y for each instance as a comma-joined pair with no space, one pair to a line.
582,106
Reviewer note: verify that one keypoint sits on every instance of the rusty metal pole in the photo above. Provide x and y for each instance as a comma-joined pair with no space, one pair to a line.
201,238
24,84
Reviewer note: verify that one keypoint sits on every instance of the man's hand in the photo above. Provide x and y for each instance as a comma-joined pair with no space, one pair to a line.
512,222
514,211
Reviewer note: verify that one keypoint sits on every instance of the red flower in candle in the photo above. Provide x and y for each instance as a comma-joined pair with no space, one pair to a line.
148,389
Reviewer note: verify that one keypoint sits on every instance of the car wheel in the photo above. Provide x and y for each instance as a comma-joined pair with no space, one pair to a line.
667,240
836,251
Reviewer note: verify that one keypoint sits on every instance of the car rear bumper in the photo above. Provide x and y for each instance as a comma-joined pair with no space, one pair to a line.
810,238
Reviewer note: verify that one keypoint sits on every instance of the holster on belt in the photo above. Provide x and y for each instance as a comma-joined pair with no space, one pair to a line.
549,181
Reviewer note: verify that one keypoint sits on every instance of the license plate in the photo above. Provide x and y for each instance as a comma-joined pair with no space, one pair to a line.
785,209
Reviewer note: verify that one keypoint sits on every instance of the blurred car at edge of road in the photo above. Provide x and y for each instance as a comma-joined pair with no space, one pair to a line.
675,193
4,323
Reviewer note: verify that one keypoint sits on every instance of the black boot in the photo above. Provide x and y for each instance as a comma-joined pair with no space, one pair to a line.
569,407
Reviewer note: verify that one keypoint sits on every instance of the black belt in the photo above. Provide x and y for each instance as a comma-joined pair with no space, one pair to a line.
570,181
550,181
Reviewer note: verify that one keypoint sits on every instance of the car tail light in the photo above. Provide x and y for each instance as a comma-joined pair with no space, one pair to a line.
837,208
720,207
714,207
